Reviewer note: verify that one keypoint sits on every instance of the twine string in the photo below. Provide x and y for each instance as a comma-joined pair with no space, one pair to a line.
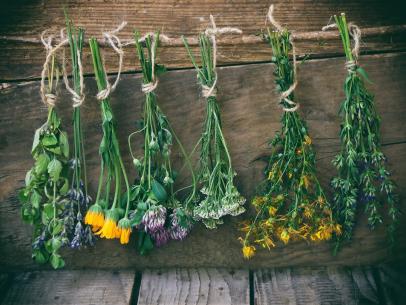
115,42
284,97
77,98
355,33
49,98
212,32
151,86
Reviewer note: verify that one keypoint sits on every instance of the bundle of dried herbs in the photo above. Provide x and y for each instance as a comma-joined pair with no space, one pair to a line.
363,179
46,184
76,231
109,216
219,195
158,214
291,204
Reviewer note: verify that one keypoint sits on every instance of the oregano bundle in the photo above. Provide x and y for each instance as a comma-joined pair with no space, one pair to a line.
362,180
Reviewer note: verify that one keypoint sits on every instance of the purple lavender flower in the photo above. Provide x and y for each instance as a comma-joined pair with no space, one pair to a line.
160,237
154,219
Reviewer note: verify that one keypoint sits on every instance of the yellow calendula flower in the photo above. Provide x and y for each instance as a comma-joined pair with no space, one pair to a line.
272,211
305,181
248,251
338,229
95,217
307,140
270,175
269,242
308,213
109,229
124,227
290,175
284,236
320,200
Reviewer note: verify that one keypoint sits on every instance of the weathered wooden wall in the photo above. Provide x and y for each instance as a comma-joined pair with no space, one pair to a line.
248,101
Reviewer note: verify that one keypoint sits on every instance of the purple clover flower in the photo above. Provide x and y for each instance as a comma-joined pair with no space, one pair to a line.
154,219
161,237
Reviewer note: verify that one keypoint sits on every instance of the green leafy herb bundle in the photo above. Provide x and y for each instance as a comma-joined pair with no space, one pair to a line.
158,214
46,184
108,217
77,232
291,204
362,175
216,174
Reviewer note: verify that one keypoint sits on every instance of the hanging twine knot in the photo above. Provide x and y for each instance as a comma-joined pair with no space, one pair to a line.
284,97
112,39
212,32
355,33
49,98
151,86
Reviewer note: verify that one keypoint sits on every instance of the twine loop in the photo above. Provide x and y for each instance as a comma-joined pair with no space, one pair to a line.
112,39
284,97
355,33
151,86
212,32
48,98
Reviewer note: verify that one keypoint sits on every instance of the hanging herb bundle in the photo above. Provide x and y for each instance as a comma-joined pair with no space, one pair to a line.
362,174
76,231
109,218
216,174
291,204
158,214
46,184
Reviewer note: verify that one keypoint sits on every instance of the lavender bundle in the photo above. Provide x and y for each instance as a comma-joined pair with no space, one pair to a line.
158,213
76,231
216,174
362,175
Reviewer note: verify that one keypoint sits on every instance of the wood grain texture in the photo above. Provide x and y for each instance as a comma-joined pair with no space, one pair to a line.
27,19
70,287
250,117
316,286
194,287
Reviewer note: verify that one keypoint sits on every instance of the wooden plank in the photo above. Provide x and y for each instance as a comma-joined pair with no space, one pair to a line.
70,287
323,285
250,117
194,287
26,22
393,283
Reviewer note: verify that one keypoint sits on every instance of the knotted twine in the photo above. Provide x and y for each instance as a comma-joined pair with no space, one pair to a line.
112,39
77,98
355,33
285,94
49,98
211,33
151,86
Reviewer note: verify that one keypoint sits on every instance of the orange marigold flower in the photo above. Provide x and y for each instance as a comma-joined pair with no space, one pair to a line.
248,251
124,228
95,217
109,229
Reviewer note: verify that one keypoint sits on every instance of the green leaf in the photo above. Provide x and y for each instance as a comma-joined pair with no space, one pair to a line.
41,164
49,140
64,144
137,218
159,191
49,210
39,256
145,243
55,150
28,178
58,226
56,244
65,187
35,199
56,261
364,74
54,169
36,141
23,196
